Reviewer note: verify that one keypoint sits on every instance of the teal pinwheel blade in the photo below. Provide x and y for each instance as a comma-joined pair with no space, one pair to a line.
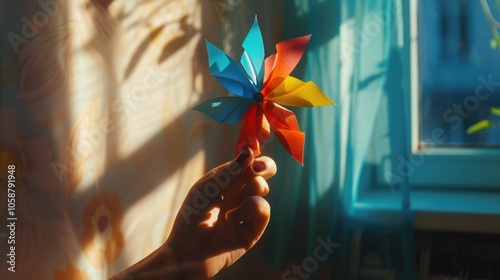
229,73
228,110
252,58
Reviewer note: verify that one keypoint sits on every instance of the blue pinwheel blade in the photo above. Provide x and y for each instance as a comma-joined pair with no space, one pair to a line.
252,58
228,110
229,73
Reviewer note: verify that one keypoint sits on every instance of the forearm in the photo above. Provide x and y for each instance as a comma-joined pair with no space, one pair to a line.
161,264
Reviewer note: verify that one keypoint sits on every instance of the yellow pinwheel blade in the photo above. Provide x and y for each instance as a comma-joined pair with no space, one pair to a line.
295,92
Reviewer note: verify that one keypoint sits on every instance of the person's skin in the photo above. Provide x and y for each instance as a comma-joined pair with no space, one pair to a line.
200,245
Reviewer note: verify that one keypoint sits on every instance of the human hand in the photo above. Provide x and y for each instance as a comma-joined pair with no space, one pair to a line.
222,217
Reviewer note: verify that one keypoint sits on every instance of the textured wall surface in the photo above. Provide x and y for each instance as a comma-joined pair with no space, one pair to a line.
96,99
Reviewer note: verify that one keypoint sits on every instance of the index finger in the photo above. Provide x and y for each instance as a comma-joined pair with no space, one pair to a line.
227,176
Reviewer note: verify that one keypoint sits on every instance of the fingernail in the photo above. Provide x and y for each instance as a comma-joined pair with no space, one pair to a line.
243,156
259,166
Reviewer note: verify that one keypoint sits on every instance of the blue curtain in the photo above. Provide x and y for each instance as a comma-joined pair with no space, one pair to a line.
356,55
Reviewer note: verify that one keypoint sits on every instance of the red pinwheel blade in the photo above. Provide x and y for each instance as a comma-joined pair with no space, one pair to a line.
286,128
280,117
269,66
288,55
254,132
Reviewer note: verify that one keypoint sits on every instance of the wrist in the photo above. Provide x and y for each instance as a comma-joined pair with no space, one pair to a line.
161,264
186,268
173,262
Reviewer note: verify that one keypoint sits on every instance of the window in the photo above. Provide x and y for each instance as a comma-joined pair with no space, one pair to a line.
456,81
459,73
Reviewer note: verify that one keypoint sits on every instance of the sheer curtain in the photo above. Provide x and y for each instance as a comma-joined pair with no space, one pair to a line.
355,56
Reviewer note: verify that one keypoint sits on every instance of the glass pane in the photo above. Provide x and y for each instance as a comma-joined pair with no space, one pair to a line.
459,71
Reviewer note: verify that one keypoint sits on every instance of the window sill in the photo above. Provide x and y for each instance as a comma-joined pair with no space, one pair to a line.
465,211
464,167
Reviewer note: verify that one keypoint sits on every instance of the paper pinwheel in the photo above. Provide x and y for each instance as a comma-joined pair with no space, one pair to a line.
260,88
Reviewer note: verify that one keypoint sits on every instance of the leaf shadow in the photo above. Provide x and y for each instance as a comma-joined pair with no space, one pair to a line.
142,49
188,31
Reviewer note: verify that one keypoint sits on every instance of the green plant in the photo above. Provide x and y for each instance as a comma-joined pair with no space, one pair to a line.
494,24
495,44
484,124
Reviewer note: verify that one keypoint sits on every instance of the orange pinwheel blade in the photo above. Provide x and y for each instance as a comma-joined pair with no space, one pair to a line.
293,142
286,128
254,132
288,55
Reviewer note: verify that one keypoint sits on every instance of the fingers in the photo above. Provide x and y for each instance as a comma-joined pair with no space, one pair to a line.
251,218
226,183
257,186
217,181
243,160
265,167
229,178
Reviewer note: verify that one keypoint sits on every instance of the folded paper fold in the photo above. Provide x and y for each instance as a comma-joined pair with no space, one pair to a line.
252,58
294,92
254,132
228,110
288,55
228,72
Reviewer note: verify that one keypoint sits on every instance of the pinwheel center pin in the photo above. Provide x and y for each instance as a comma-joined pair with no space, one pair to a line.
258,97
